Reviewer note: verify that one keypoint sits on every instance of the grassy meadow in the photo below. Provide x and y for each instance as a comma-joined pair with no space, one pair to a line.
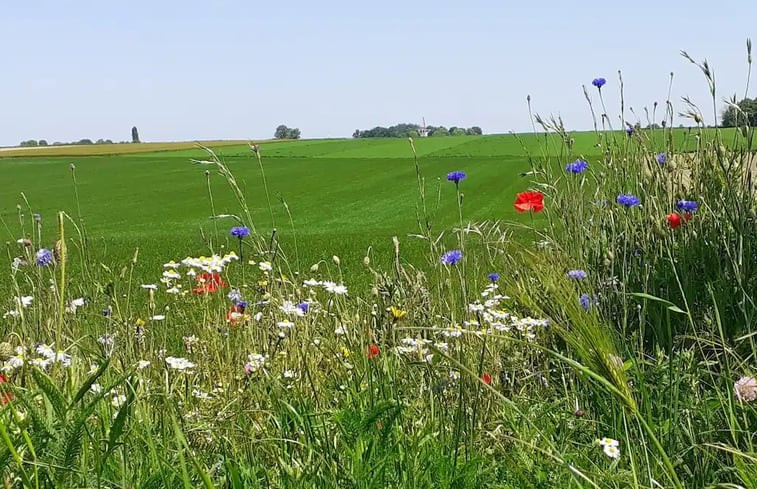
576,311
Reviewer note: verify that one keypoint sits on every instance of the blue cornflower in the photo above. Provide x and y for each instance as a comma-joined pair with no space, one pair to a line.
687,205
578,166
629,130
456,176
628,200
241,306
452,257
37,218
304,307
494,276
107,312
240,231
44,257
598,82
577,274
585,301
661,158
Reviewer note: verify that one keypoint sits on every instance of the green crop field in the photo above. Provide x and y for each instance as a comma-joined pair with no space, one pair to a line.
344,195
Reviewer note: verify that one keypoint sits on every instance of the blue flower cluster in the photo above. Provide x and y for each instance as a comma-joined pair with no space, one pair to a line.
598,82
452,257
687,205
578,166
628,200
240,231
577,274
456,176
44,257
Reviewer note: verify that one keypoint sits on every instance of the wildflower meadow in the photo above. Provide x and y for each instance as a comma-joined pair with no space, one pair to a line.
601,335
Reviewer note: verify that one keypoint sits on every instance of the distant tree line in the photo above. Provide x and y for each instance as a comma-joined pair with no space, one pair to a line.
33,143
747,114
414,130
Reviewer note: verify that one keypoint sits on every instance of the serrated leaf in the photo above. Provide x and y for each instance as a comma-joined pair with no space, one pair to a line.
53,394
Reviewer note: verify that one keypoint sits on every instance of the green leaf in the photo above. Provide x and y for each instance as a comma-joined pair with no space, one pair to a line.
89,381
53,394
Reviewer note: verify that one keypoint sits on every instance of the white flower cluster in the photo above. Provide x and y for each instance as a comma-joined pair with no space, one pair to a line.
291,309
47,356
490,316
419,347
610,447
74,305
255,362
328,286
21,303
214,263
181,364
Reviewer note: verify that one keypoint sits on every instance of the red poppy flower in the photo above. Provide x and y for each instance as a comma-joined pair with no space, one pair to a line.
235,314
372,351
486,378
529,201
208,283
5,397
674,220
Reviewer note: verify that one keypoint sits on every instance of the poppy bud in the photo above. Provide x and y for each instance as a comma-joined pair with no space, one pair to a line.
314,268
336,259
366,261
579,413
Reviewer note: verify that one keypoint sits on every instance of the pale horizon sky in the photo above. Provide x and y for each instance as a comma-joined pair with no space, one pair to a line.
236,69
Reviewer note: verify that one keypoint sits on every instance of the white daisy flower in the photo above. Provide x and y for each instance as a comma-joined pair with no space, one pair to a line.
171,274
611,451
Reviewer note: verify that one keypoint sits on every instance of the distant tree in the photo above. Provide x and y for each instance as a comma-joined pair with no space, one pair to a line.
284,132
108,141
134,135
356,134
42,142
747,115
474,131
100,141
32,143
413,133
457,131
439,131
84,141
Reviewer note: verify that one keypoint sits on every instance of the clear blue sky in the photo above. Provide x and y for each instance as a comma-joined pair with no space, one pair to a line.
183,70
